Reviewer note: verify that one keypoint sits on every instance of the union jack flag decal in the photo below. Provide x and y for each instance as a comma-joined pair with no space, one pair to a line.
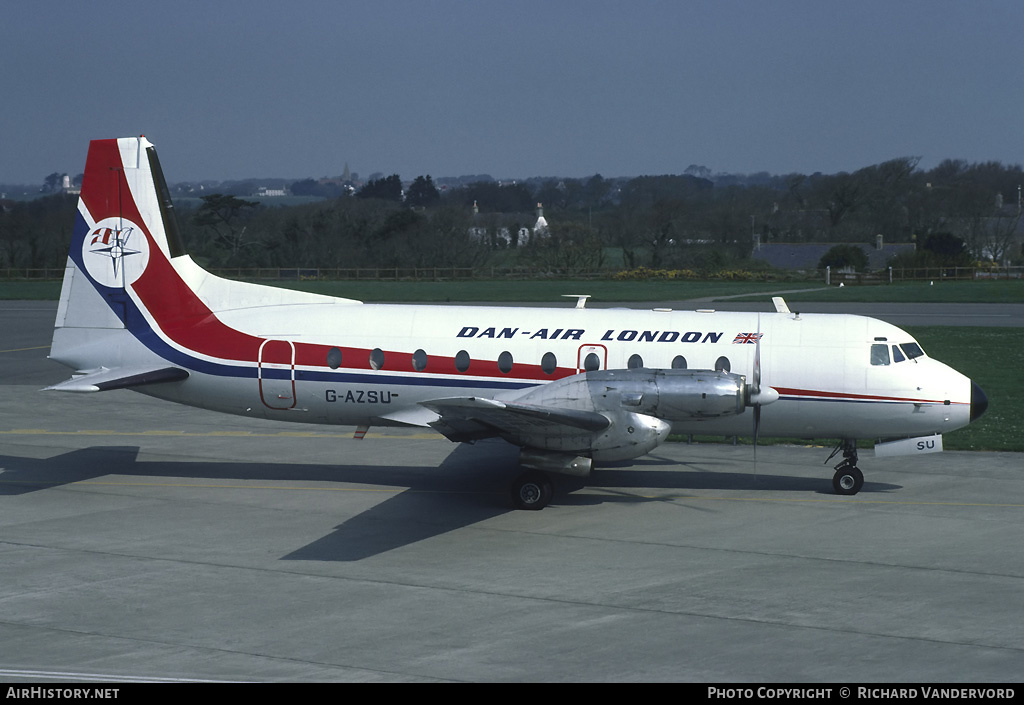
746,338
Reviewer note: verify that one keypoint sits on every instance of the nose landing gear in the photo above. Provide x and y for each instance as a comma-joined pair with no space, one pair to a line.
848,479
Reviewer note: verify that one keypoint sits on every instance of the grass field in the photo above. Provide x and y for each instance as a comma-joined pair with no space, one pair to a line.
987,291
534,291
652,291
993,358
30,290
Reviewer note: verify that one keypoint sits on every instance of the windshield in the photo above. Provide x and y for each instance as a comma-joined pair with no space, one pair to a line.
912,350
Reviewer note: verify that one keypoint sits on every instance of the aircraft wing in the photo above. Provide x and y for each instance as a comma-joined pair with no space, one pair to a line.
474,418
104,379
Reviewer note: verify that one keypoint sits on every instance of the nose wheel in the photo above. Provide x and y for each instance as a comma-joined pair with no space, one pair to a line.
848,479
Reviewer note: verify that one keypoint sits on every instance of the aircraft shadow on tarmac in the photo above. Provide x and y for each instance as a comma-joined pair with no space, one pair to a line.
469,486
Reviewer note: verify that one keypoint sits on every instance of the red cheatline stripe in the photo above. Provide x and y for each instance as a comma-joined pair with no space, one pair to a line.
788,391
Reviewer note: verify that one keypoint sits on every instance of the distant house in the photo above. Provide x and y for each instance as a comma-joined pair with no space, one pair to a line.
506,227
541,226
807,255
264,192
69,188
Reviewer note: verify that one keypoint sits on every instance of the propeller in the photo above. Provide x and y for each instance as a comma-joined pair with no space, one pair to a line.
758,397
757,385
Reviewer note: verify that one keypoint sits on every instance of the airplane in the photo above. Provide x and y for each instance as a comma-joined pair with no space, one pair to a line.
570,386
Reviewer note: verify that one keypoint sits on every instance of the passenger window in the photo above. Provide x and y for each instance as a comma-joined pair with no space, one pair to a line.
377,358
334,358
879,354
591,362
897,356
462,361
548,363
419,360
722,364
634,362
505,362
679,362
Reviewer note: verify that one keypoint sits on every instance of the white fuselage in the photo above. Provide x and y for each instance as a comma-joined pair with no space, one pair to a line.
821,365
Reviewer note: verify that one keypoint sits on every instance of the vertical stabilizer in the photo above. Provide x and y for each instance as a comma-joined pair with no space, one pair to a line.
124,217
132,298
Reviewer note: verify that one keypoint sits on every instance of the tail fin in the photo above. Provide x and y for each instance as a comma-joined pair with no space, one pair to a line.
125,216
132,299
124,212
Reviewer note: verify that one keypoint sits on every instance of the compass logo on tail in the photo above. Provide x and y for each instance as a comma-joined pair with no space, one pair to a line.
115,252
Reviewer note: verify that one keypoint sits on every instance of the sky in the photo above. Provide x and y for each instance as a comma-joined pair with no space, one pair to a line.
514,89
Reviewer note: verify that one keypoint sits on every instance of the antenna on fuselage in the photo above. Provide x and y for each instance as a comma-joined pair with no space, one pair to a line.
581,299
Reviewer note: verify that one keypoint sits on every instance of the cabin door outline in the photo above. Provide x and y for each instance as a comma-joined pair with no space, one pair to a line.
275,370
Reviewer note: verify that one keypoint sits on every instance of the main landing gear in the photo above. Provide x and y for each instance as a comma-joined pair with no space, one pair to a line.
848,479
532,490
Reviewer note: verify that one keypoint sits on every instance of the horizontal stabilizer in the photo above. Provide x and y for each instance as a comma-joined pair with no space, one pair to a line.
103,379
413,416
472,418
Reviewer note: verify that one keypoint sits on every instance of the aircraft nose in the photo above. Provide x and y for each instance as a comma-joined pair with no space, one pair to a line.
979,401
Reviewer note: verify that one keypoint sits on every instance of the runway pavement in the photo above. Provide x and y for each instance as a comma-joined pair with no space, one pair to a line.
141,540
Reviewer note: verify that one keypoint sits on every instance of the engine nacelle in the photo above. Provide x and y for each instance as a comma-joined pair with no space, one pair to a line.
629,436
563,463
673,395
640,405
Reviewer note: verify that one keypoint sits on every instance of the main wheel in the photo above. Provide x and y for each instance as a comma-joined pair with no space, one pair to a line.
848,480
531,490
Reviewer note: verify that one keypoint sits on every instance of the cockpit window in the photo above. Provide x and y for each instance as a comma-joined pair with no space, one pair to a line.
879,354
897,356
912,350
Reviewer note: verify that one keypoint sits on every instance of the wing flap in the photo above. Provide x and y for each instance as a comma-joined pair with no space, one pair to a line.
104,379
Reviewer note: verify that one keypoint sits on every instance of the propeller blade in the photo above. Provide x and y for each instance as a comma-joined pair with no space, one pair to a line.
757,357
755,396
757,429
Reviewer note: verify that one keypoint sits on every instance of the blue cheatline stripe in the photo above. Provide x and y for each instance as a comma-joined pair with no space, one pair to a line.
139,327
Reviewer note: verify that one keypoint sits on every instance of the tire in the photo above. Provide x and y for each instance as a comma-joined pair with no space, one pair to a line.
531,491
848,480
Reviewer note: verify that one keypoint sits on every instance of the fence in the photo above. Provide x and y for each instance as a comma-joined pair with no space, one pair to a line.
406,273
932,273
457,273
32,274
905,274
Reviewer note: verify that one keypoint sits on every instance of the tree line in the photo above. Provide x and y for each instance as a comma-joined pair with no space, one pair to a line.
966,211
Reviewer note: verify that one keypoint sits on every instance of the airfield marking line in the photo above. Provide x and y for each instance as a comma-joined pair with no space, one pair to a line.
209,434
100,677
191,485
37,347
824,500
